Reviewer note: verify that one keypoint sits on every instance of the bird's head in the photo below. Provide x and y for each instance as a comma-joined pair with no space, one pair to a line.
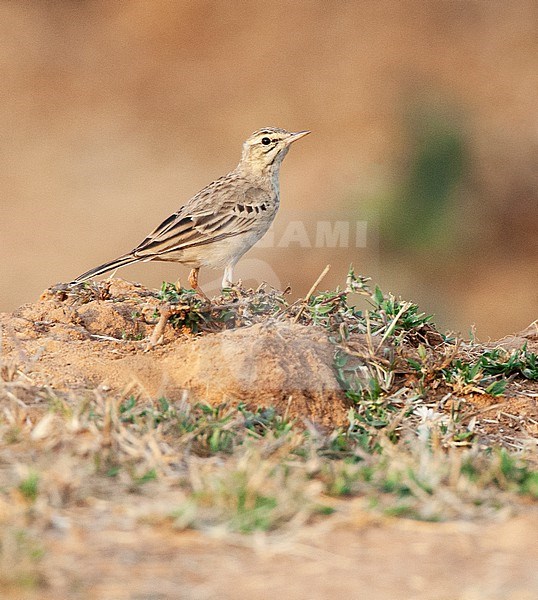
266,148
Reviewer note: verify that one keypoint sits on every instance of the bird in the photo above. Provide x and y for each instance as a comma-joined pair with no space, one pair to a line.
219,224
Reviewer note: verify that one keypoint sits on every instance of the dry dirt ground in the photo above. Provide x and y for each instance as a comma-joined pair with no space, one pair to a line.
114,557
98,545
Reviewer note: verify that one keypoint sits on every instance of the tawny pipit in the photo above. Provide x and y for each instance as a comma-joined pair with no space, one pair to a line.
222,221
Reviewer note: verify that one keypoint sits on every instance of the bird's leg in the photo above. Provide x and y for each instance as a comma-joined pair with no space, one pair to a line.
193,281
227,280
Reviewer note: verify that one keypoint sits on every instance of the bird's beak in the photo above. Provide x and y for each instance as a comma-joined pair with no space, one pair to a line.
295,136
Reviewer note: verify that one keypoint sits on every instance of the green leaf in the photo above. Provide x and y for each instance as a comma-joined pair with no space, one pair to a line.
497,387
378,296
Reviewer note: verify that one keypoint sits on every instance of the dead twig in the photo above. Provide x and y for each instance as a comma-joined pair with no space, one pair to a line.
166,311
311,291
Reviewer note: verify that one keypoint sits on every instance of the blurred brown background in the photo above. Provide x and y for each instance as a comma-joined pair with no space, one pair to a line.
424,119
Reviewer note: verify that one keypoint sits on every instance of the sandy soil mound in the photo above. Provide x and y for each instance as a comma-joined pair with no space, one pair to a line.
77,338
78,342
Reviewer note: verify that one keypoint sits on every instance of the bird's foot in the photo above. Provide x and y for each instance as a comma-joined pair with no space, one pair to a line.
193,281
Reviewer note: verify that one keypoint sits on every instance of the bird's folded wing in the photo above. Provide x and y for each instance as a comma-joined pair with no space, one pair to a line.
205,220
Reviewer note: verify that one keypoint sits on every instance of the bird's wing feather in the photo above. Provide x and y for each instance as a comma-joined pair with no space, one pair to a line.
219,211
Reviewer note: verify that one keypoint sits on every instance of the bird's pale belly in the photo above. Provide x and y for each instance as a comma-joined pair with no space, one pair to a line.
218,254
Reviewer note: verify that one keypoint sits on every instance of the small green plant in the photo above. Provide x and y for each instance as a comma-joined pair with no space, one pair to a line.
517,362
150,475
253,510
489,372
367,382
265,420
516,475
29,486
217,429
189,307
151,414
394,315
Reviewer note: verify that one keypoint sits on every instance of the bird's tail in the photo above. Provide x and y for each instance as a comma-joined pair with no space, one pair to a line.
126,259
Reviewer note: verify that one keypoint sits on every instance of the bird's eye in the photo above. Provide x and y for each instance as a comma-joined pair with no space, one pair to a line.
266,141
